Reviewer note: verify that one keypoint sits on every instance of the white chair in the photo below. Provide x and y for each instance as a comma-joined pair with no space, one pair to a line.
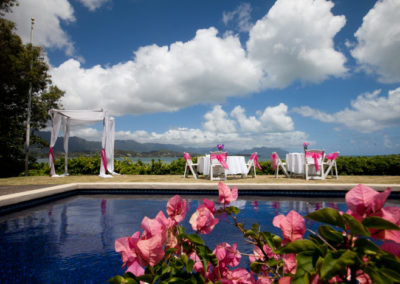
330,164
189,166
252,163
277,163
218,165
313,164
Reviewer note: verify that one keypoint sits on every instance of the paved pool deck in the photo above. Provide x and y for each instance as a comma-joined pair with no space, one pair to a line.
10,196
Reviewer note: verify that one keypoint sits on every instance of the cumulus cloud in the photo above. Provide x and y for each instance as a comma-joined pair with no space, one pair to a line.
206,69
369,112
219,126
92,5
378,44
241,16
48,16
294,41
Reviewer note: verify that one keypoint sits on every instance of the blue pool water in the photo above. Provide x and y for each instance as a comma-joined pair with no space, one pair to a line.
72,240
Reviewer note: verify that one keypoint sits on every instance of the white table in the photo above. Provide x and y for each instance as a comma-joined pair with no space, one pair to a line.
295,164
236,164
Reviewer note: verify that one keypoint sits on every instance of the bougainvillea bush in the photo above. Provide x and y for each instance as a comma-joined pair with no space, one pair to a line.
361,245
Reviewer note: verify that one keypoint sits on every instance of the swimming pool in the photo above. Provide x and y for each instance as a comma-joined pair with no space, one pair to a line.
71,240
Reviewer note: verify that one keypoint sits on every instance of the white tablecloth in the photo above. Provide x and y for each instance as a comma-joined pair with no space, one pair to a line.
236,164
295,163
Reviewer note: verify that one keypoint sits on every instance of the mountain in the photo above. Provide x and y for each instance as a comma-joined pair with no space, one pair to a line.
133,148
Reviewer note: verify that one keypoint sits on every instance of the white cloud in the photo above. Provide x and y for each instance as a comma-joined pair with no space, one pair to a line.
242,15
205,69
48,16
378,44
368,113
93,4
294,41
218,127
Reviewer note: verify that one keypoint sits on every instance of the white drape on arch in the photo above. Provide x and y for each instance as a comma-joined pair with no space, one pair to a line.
78,117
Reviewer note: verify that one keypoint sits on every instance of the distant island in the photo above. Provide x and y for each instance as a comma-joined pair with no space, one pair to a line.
130,148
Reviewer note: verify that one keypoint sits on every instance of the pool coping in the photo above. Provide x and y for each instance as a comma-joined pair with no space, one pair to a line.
154,188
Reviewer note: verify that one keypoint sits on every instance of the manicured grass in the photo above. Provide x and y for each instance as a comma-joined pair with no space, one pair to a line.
45,180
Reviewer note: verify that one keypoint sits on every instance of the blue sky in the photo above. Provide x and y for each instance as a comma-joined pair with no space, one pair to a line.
242,73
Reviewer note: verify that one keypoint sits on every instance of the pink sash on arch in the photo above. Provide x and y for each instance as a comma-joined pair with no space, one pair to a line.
255,158
52,154
221,158
274,158
315,156
104,159
186,156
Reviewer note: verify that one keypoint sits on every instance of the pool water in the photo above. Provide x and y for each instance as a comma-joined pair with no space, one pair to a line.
72,240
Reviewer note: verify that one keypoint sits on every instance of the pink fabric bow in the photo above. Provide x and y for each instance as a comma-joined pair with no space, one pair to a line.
315,156
52,154
274,157
186,156
332,156
255,158
221,158
104,159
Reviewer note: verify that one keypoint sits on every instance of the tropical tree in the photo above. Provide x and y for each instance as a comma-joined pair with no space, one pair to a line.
22,68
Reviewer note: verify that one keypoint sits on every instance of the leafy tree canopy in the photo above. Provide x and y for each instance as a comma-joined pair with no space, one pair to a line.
21,67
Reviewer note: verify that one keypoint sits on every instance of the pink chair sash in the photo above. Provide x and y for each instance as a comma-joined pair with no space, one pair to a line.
255,158
52,155
221,158
274,158
186,156
315,156
332,156
104,159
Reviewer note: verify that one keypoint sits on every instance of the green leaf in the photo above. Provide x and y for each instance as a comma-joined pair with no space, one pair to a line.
337,263
365,246
196,239
390,273
377,276
376,222
298,246
118,279
255,267
249,233
305,265
330,234
356,227
327,215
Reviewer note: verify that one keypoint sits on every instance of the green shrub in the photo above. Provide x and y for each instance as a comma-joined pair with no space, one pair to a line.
347,165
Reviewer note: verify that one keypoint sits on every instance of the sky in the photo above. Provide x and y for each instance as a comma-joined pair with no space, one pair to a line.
259,73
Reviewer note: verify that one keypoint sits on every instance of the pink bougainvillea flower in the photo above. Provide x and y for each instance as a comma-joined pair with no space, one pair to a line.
227,255
264,280
290,263
238,276
391,214
260,255
203,220
225,194
391,247
285,280
177,208
292,225
151,250
156,226
364,201
209,204
127,246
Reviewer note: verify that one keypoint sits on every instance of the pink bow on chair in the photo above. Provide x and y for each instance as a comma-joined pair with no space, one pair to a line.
186,156
221,158
332,156
315,156
255,158
274,157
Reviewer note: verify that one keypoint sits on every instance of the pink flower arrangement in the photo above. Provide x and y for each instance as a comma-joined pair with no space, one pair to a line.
220,147
165,251
305,145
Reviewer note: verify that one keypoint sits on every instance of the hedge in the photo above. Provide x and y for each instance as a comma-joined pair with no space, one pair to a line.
347,165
